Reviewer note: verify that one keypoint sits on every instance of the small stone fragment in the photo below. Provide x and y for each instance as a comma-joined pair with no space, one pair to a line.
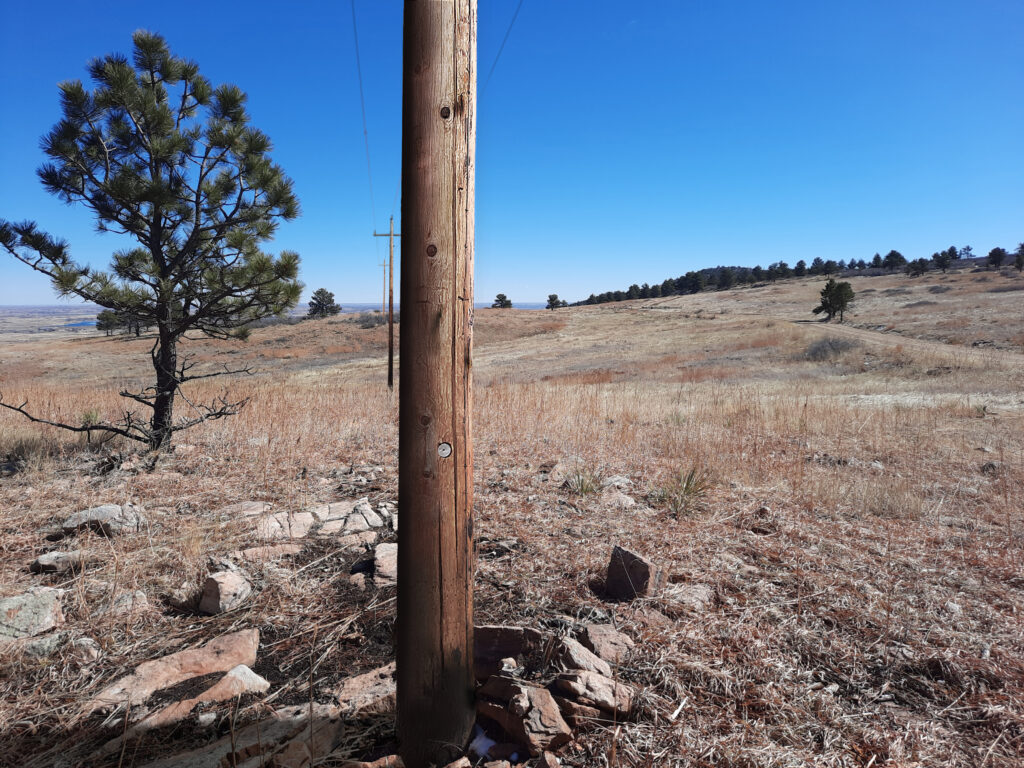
371,693
385,564
30,613
267,553
579,716
630,575
594,690
224,591
527,713
59,562
608,643
107,519
494,642
129,602
245,509
45,645
219,655
86,649
690,597
570,654
282,525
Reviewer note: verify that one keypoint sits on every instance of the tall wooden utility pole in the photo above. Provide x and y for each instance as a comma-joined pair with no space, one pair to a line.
391,235
435,450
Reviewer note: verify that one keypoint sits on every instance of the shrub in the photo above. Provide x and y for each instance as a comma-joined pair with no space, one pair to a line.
828,348
682,494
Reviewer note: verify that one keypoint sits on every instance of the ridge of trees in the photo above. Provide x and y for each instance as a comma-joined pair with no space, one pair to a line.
726,277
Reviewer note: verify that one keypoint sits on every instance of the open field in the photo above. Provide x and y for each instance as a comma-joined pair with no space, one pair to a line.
847,590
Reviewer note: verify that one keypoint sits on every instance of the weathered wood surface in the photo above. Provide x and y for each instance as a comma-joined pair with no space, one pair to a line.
435,566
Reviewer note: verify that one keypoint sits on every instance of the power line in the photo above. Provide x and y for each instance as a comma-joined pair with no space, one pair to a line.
502,47
362,106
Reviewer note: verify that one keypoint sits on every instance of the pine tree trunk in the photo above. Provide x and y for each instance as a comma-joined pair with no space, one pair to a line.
165,361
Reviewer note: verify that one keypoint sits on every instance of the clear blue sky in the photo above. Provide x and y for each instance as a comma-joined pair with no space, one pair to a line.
617,142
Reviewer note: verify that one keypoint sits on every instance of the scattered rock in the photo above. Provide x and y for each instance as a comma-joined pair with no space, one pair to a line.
594,690
608,643
548,760
579,716
561,469
337,510
245,509
286,739
527,713
367,694
219,655
693,598
224,591
385,564
266,553
618,500
59,562
283,525
86,649
129,602
619,482
108,519
30,613
388,761
570,654
45,645
462,762
630,575
238,681
494,642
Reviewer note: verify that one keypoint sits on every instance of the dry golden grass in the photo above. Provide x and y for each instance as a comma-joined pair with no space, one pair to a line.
867,571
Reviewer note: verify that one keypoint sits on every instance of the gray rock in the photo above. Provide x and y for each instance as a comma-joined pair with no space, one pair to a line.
87,649
59,562
31,613
129,602
107,519
46,645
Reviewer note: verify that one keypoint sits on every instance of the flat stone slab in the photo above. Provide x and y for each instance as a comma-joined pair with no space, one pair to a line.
385,564
30,613
219,655
60,562
107,519
368,694
245,509
282,525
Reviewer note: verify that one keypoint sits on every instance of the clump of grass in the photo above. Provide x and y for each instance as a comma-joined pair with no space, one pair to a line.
582,480
828,348
936,288
685,491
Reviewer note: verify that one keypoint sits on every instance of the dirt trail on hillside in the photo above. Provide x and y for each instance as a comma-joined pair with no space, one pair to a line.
891,340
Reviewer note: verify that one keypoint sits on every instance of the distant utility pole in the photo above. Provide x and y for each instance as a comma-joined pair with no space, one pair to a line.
435,451
391,235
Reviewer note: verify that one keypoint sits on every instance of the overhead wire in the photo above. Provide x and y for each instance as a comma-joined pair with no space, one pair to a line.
502,47
366,133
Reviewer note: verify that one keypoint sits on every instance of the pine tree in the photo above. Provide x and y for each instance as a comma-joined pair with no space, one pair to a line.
322,304
835,298
501,301
160,155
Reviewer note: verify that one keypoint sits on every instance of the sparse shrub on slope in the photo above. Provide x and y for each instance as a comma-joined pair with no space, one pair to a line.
828,348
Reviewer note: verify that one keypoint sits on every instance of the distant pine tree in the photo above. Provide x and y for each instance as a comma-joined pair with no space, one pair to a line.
322,304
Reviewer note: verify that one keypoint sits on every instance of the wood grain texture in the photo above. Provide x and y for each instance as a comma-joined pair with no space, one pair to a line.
435,599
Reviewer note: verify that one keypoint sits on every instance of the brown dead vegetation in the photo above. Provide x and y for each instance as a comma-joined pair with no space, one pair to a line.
865,564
